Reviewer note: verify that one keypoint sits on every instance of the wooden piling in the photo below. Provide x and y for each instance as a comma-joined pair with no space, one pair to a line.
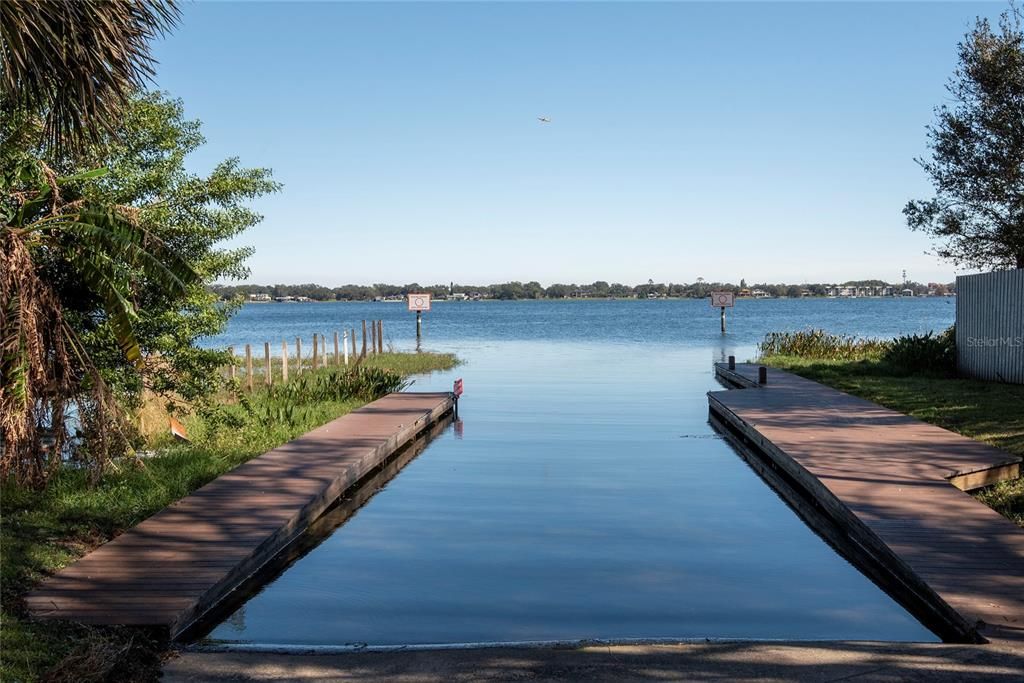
315,335
337,357
353,338
362,353
231,370
268,378
344,344
380,336
298,355
284,362
248,367
373,336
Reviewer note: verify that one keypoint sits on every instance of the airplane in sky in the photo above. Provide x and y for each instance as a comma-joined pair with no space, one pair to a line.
543,119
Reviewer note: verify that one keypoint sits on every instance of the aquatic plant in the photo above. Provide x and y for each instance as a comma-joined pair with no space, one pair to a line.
821,345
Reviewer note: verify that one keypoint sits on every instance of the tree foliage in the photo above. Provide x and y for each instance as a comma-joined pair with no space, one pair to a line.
77,62
977,160
106,252
194,215
55,240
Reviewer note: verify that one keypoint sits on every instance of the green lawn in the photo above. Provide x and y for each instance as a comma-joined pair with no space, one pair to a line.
43,531
987,411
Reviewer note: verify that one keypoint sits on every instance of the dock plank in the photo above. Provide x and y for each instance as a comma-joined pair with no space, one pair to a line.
170,569
892,474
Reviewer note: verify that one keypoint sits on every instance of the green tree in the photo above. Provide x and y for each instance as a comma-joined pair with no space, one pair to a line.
977,153
105,255
194,215
61,254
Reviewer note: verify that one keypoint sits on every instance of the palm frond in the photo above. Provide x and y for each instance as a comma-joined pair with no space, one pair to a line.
78,61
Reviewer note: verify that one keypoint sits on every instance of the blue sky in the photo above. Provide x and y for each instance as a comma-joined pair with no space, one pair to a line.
772,142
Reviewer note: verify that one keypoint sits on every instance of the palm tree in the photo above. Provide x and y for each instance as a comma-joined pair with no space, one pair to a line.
77,61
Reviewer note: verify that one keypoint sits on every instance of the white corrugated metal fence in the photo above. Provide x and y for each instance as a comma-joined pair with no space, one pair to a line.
990,325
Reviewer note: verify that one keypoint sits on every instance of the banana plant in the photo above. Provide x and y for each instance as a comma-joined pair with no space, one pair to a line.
54,243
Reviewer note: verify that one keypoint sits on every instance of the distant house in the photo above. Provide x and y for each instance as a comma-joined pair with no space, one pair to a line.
907,292
760,294
458,296
259,297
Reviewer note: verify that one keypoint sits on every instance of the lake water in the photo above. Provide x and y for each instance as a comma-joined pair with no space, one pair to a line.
583,494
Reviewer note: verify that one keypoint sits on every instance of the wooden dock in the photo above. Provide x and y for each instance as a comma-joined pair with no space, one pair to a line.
177,565
887,491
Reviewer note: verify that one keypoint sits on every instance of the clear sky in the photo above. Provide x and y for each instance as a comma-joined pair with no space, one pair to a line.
772,142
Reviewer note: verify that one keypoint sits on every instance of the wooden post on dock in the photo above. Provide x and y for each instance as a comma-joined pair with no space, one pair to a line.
248,366
268,379
337,356
353,338
732,362
284,362
298,355
762,375
231,369
315,335
373,337
380,336
362,353
344,344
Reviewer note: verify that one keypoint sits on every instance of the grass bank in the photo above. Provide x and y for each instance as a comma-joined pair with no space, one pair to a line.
41,532
987,411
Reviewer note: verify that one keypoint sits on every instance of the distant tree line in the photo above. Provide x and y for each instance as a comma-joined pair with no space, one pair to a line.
535,290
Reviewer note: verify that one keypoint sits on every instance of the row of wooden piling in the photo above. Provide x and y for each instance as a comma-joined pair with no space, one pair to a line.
345,351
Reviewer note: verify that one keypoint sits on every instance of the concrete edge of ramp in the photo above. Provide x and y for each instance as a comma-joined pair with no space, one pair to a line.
732,661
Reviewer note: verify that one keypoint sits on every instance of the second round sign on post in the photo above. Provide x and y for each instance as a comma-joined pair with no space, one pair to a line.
723,299
419,302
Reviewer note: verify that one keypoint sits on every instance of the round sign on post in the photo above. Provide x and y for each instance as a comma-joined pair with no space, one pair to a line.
419,302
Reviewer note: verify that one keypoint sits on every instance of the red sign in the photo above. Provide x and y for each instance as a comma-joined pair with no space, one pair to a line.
457,388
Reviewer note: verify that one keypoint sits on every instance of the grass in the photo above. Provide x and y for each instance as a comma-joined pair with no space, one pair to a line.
41,532
988,411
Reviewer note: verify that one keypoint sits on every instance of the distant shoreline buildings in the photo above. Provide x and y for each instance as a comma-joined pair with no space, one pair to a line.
597,290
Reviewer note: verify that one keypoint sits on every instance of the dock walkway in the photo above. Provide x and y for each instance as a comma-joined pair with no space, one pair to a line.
175,566
890,486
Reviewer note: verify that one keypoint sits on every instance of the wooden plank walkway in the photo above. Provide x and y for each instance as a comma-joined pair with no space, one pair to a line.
175,566
888,483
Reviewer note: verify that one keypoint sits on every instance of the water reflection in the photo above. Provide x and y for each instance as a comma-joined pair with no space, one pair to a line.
321,529
573,509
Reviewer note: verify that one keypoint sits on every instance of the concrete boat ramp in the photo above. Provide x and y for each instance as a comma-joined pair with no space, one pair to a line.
888,492
177,565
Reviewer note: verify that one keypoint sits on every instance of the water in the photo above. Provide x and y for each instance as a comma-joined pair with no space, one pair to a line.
583,495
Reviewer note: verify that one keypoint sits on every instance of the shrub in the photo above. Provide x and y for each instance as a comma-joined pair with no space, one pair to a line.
923,353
